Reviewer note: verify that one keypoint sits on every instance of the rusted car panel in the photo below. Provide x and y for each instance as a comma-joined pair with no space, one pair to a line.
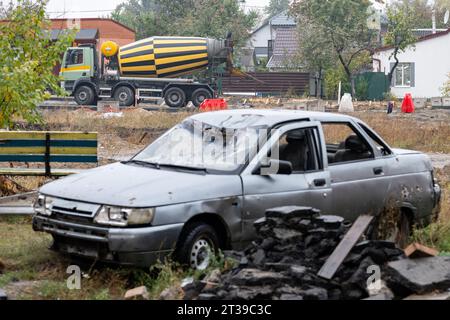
87,213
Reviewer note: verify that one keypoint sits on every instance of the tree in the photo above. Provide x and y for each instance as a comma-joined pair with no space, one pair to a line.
207,18
276,6
399,34
343,26
315,53
421,12
27,59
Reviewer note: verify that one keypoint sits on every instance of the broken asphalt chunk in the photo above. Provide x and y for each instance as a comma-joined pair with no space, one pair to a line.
419,275
292,212
257,277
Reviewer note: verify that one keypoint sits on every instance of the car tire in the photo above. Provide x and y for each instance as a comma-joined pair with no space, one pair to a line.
199,96
85,96
175,98
197,245
125,96
393,225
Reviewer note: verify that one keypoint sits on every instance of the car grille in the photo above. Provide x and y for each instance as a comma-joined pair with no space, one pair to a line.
74,210
57,209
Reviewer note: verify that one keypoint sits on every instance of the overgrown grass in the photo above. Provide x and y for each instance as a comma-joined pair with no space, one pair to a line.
437,234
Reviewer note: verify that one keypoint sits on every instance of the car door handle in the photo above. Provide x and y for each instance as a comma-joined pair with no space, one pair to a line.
378,171
320,182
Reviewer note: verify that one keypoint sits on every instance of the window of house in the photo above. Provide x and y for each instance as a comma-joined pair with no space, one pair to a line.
74,57
404,75
300,148
344,144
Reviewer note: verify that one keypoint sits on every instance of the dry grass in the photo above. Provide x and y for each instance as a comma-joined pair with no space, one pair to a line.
408,133
132,119
437,234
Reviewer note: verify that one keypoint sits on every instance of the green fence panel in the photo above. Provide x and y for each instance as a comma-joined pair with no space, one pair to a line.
374,84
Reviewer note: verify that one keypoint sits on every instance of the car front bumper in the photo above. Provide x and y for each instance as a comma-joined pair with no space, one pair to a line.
141,247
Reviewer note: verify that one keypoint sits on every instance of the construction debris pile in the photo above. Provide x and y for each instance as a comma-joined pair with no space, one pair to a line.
293,244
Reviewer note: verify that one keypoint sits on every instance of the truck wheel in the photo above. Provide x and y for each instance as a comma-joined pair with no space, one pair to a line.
175,98
85,96
199,96
125,96
197,246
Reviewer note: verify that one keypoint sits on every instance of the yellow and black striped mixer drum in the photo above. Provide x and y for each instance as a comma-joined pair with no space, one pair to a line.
167,57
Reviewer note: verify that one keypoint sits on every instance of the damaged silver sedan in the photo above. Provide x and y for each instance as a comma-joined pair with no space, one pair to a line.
201,186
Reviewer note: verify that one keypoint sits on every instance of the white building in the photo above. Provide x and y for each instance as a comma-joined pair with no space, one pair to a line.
422,70
263,37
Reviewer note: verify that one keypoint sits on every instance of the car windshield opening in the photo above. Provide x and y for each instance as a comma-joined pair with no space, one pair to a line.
205,146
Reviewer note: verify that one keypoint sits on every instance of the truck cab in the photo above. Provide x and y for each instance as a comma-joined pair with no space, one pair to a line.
78,63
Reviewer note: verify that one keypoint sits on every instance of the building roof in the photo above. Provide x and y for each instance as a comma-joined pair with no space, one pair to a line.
83,34
419,33
282,20
286,45
424,38
96,19
279,20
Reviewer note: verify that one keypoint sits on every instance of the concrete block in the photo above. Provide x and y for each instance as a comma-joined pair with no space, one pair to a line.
436,102
420,103
446,102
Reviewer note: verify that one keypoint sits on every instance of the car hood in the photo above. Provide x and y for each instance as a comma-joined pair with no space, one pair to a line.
136,186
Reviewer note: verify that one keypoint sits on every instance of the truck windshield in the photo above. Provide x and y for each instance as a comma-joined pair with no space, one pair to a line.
199,145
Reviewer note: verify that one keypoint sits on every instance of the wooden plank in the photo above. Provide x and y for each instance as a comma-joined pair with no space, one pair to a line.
40,135
53,150
53,158
53,143
416,250
25,172
339,254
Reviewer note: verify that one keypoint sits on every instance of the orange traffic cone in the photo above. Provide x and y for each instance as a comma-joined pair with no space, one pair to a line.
408,104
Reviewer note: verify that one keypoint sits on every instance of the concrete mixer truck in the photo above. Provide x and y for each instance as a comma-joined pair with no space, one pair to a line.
148,69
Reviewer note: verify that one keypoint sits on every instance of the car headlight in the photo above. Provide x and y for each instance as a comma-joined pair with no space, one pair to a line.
122,217
44,205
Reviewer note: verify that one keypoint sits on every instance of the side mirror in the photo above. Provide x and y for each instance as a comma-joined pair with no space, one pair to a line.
273,166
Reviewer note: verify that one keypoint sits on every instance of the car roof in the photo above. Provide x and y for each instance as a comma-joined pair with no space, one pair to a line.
268,117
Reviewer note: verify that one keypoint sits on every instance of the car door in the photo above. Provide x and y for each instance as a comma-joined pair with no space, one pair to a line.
308,187
358,181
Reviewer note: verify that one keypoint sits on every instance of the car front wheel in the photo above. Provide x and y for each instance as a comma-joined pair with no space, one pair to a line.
197,246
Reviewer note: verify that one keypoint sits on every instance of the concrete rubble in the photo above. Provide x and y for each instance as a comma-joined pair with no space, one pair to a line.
293,244
139,293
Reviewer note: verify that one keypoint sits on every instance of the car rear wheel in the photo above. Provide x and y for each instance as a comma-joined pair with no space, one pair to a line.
197,246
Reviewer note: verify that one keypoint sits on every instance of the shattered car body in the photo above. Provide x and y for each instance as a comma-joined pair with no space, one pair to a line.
203,184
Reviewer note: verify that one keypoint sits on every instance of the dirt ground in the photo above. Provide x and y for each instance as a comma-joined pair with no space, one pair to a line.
28,270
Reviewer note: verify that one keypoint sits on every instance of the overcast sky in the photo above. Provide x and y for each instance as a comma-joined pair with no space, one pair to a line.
101,8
